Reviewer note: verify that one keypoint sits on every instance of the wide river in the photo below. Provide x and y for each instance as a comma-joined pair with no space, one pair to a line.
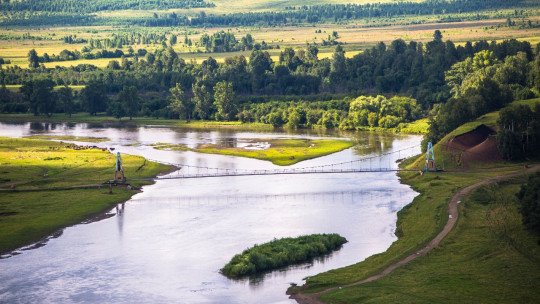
167,244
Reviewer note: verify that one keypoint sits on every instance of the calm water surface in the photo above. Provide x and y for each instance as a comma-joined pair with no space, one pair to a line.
168,242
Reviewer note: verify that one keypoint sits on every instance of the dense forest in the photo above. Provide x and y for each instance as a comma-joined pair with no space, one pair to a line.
65,12
384,86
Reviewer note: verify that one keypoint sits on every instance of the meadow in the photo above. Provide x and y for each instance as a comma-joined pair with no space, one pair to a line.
355,37
41,179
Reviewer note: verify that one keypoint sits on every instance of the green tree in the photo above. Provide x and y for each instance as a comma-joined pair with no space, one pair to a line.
294,119
116,108
180,105
529,196
129,98
275,119
33,59
94,97
202,100
39,93
224,100
65,96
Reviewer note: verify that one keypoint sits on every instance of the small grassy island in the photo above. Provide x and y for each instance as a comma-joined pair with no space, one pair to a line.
280,253
281,152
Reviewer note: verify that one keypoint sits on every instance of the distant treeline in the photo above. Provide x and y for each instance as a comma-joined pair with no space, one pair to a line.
412,69
91,6
17,14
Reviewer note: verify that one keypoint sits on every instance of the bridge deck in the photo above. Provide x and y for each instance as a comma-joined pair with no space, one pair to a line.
232,172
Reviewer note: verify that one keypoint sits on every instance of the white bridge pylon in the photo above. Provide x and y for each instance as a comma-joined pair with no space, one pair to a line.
374,163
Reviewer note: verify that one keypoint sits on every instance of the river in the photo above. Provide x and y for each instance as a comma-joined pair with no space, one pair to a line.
167,244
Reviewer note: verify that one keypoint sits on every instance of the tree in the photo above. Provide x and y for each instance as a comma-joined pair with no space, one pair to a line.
202,100
224,100
529,196
338,67
94,98
39,93
129,99
33,59
294,119
275,119
116,109
180,105
65,96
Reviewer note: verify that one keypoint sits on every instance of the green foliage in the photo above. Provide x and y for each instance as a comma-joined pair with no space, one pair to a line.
129,99
519,132
224,101
529,197
180,105
33,59
39,94
280,253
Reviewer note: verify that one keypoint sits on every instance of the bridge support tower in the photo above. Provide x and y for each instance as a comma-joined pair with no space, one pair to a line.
430,159
119,169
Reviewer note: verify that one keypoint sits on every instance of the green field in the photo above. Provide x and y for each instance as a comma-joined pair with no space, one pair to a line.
356,37
479,261
489,257
41,179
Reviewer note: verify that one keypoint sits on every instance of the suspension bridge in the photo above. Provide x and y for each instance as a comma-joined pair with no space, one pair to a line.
383,162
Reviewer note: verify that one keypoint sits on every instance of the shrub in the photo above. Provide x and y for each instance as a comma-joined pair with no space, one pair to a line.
282,252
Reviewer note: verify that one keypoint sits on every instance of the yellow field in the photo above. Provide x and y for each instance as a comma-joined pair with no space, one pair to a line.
355,36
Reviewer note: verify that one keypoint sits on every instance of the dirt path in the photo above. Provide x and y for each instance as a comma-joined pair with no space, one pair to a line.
313,298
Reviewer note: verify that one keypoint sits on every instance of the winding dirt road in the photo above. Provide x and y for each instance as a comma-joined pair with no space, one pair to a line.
313,298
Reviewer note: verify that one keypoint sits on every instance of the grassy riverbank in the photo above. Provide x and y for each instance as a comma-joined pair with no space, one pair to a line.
46,186
488,257
416,127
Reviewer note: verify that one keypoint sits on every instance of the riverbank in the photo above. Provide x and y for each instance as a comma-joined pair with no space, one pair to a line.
417,127
465,265
29,164
433,268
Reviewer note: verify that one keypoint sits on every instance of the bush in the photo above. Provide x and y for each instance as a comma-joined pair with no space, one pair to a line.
280,253
529,195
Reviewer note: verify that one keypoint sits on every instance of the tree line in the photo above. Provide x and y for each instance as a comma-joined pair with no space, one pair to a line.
91,6
461,83
47,12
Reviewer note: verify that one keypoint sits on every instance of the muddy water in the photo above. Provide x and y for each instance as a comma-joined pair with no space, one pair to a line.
168,243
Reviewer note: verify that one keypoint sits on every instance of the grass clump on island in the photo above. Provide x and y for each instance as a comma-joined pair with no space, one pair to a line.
280,253
281,152
46,186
